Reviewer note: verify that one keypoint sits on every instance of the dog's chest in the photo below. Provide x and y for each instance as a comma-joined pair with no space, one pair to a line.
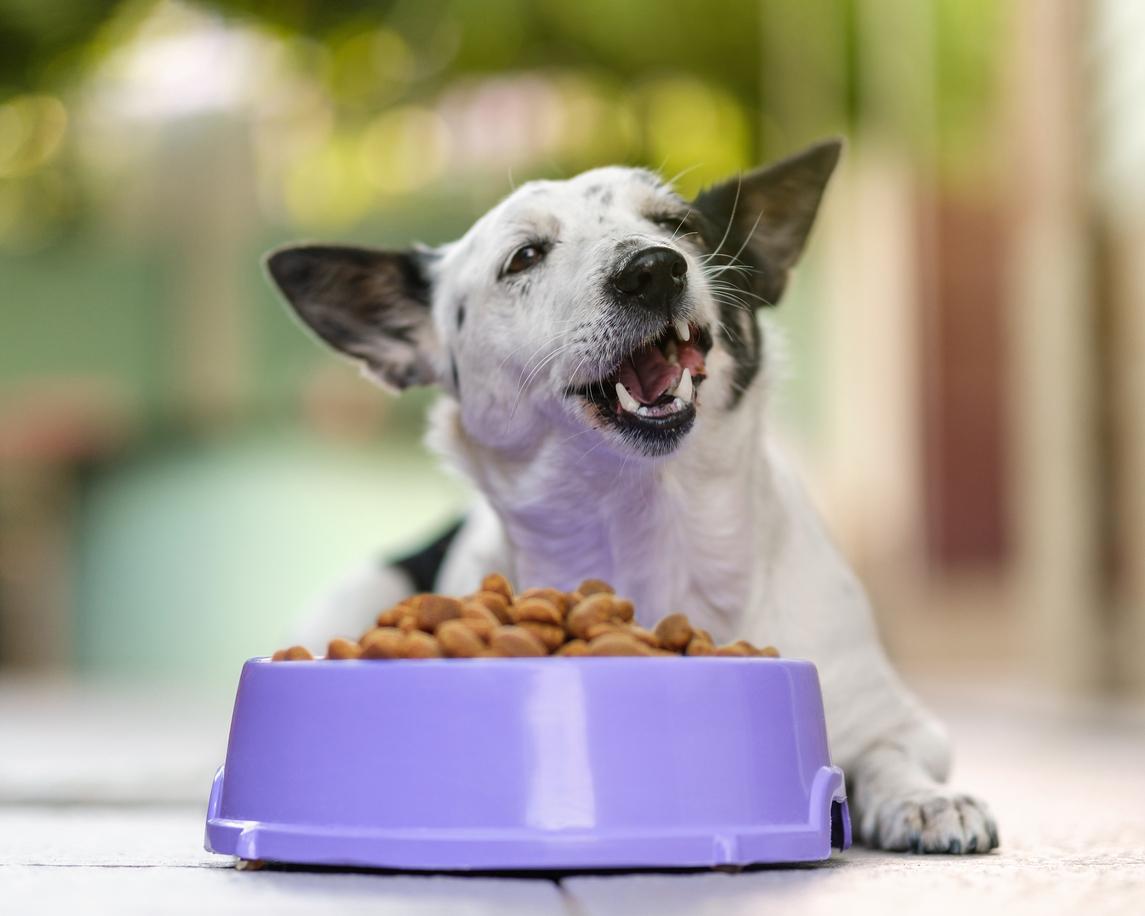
666,546
681,535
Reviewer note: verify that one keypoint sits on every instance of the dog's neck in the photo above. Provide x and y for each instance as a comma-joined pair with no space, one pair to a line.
679,533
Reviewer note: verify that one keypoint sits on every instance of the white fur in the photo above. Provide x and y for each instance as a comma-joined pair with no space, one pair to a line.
720,528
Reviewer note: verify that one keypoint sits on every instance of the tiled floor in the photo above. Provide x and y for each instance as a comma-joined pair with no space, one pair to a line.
102,793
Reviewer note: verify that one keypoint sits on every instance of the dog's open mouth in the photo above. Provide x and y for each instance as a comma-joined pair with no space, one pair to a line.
653,390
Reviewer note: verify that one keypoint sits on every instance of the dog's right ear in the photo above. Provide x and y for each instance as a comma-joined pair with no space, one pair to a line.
369,304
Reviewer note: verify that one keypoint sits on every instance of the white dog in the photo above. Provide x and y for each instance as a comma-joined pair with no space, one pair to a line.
605,378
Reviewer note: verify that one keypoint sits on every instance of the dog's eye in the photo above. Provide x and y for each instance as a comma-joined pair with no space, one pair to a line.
524,258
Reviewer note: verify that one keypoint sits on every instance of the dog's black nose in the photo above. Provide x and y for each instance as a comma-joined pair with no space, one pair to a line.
653,277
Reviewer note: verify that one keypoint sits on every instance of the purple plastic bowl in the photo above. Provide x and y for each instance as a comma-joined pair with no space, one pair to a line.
504,764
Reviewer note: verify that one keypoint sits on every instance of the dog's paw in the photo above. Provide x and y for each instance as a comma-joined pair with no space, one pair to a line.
933,821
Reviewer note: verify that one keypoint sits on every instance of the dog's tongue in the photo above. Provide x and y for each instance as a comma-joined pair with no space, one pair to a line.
647,374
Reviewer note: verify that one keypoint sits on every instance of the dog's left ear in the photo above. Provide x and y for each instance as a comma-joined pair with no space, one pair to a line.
371,305
766,215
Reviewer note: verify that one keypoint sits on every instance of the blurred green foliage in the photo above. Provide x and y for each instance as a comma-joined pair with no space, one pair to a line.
40,43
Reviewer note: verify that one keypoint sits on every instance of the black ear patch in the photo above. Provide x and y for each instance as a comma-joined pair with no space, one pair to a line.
371,305
763,218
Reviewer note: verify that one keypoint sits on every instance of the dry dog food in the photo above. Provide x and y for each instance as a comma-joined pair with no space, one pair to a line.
495,622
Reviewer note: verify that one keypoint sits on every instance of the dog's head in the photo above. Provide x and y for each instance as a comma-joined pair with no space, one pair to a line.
605,303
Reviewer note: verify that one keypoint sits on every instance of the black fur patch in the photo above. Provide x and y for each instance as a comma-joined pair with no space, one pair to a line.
460,314
423,565
743,339
738,329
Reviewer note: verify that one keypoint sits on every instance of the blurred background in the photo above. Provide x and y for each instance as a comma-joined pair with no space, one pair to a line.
182,469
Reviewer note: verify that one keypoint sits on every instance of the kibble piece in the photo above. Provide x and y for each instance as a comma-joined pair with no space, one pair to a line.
674,632
390,616
434,610
408,623
479,619
537,609
551,635
700,646
457,640
624,609
482,629
645,636
605,626
298,654
617,644
495,582
573,647
343,649
704,635
734,649
421,645
279,656
596,608
496,602
384,642
554,596
769,652
516,642
595,587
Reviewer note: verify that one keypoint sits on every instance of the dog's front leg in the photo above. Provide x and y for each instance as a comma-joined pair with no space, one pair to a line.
901,803
896,756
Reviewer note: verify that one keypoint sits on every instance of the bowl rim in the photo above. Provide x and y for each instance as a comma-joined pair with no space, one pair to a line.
531,659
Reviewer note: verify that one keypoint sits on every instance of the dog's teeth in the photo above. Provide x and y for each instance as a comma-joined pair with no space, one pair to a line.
670,353
682,330
627,401
684,387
